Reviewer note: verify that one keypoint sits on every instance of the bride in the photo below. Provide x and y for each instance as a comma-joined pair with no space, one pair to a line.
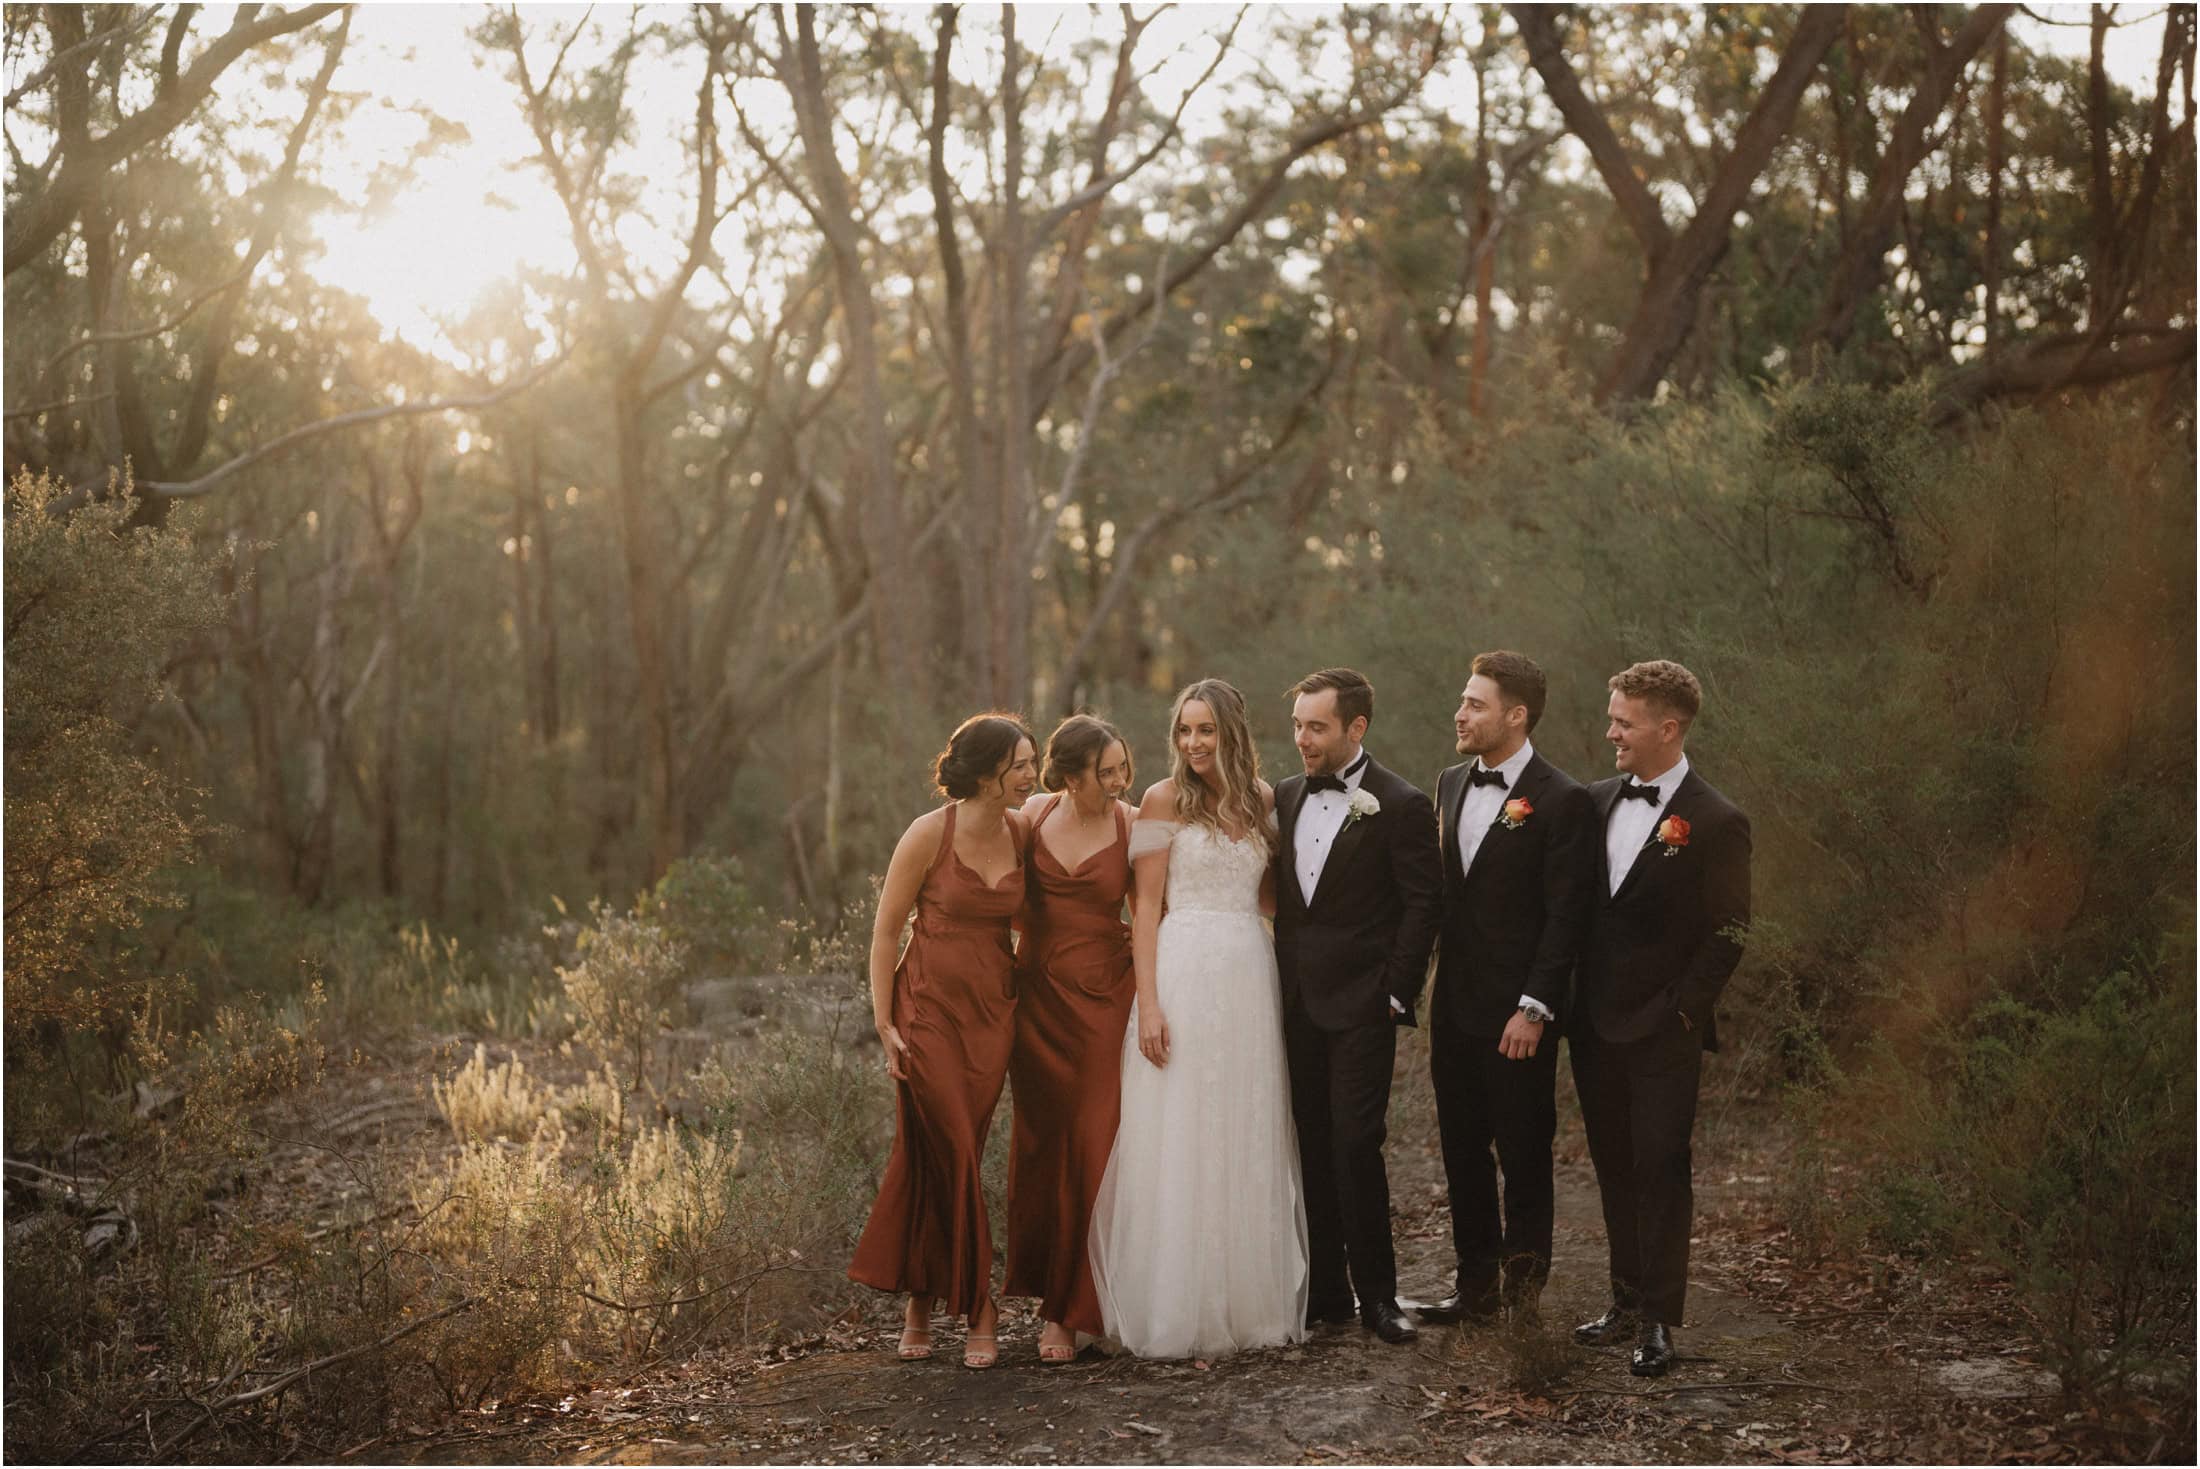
1199,1230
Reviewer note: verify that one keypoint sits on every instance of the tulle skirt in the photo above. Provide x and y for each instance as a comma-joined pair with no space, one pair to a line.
1199,1230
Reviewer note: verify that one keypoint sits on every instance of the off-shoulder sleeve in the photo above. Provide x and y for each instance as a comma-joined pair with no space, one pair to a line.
1150,834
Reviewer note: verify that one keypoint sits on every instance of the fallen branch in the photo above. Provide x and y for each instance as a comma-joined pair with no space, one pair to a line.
180,489
296,1374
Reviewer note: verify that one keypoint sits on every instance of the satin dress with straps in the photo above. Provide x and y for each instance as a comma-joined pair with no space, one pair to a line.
955,1006
1073,999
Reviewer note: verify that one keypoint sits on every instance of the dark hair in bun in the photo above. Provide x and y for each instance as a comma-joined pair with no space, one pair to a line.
1076,746
976,751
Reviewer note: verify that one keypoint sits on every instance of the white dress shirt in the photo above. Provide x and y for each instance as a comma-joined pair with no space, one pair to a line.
1477,812
1634,819
1483,802
1321,818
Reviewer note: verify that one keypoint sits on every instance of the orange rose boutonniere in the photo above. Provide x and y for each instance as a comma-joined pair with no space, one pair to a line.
1515,815
1673,831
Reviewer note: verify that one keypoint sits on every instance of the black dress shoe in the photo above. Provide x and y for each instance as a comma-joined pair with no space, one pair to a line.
1471,1308
1335,1314
1615,1325
1388,1322
1654,1354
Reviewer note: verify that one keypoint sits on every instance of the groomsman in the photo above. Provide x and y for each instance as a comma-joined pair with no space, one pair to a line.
1518,838
1660,949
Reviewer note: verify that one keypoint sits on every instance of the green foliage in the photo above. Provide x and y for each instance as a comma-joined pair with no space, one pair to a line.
124,1263
95,611
704,903
624,992
2060,1146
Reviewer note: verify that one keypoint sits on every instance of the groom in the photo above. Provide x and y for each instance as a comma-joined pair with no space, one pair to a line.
1359,887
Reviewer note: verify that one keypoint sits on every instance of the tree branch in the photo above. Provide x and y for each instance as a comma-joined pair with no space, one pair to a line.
1539,28
37,221
2079,360
285,442
1049,376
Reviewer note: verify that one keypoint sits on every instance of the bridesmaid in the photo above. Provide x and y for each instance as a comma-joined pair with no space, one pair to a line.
1073,1000
946,1015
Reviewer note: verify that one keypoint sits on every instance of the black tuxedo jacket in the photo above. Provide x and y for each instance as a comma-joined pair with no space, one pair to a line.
1366,936
1660,944
1513,923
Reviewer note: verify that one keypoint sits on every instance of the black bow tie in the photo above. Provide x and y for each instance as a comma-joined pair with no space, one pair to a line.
1335,782
1478,776
1633,792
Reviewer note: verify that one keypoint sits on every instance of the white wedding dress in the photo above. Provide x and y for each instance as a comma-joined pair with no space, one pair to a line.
1199,1230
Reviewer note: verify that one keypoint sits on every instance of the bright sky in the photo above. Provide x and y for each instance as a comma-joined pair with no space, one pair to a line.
478,212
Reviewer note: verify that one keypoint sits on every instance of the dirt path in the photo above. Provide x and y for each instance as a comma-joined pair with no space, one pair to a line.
1769,1374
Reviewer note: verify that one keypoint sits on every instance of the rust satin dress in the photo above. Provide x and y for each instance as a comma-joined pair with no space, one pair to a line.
1073,1003
955,1006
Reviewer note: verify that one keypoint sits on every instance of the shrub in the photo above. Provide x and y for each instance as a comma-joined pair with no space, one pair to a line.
2059,1145
704,904
95,610
502,1101
624,991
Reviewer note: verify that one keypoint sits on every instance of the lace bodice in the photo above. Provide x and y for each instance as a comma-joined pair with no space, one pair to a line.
1208,872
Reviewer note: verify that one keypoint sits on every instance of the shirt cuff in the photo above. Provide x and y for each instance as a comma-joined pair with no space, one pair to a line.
1536,1008
1395,1007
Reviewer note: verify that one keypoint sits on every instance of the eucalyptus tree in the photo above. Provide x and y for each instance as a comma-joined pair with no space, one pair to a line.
115,212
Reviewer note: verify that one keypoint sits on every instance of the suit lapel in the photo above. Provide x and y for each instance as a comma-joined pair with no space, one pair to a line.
1683,802
1287,820
1531,786
1348,834
1450,795
1606,793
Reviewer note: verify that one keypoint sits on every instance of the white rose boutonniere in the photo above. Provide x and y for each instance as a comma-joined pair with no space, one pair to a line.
1360,803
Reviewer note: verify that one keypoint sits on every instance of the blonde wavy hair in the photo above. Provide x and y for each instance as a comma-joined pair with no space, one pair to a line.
1233,797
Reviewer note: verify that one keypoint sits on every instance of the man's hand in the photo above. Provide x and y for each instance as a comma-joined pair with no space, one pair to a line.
1523,1033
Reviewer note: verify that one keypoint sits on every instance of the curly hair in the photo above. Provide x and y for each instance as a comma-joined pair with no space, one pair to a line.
1232,798
1664,683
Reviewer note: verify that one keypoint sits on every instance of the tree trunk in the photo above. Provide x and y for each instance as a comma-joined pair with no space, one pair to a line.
526,504
323,749
1997,163
969,465
1007,614
643,562
1856,274
2101,272
390,756
879,512
263,696
543,513
1666,311
1677,265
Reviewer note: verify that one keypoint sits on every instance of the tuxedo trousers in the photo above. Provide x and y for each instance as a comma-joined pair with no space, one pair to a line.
1638,1106
1485,1101
1340,1102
